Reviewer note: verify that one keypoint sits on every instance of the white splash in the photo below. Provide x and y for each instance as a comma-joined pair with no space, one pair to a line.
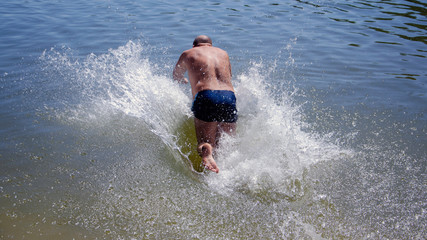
269,151
270,148
121,82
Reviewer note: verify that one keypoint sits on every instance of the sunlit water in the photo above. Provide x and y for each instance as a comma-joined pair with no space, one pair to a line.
97,141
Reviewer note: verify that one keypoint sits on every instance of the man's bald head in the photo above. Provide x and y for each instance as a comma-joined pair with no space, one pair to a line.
202,40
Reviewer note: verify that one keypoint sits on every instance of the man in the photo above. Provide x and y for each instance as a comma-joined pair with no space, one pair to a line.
214,104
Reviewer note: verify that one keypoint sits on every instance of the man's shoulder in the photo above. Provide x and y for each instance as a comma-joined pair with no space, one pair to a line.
220,51
189,52
198,52
193,53
187,55
202,50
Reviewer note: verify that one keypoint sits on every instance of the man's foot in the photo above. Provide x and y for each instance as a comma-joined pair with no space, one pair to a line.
210,164
205,151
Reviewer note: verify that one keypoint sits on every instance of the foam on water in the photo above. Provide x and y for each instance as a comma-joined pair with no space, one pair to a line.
270,148
124,80
274,165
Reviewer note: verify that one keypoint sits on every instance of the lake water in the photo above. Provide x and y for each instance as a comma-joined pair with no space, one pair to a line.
96,139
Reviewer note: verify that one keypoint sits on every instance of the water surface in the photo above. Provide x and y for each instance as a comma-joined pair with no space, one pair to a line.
96,138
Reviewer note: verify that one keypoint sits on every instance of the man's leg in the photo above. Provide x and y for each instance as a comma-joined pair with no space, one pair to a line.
206,133
229,128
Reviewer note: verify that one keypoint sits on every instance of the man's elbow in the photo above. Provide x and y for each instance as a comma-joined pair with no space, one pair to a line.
179,78
178,75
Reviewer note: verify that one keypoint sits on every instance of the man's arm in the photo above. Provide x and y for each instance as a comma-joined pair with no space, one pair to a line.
180,69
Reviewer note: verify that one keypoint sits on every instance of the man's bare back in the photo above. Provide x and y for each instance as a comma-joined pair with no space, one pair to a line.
209,71
208,68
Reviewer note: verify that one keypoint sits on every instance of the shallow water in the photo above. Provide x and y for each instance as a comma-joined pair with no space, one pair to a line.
97,141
